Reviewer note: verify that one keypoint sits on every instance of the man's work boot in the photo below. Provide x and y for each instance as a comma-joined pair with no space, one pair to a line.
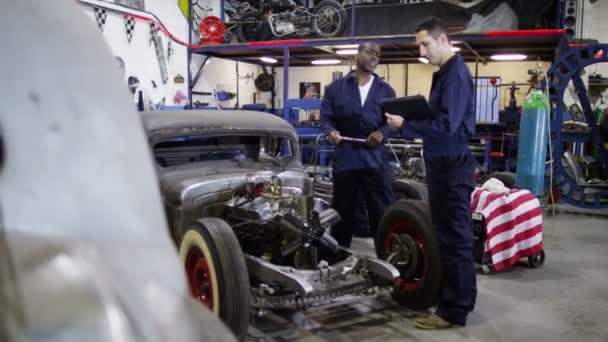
434,322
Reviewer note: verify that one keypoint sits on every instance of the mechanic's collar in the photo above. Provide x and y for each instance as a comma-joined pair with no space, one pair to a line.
351,77
442,69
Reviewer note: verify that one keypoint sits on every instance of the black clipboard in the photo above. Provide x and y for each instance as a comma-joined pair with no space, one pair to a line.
409,107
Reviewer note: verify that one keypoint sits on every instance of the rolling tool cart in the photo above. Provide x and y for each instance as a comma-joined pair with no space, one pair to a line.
507,227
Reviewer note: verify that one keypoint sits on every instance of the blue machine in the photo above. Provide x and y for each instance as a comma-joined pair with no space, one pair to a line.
308,132
560,75
533,138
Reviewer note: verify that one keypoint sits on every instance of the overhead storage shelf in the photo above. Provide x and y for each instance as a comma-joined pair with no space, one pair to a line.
399,49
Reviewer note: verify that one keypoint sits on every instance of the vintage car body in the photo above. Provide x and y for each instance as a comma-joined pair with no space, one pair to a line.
189,189
250,231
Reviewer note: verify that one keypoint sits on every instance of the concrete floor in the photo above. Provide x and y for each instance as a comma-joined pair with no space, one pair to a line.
565,300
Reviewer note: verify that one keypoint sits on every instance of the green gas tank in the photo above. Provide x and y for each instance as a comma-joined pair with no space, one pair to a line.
533,139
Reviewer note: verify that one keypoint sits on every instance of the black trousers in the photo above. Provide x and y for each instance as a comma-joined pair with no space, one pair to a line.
376,186
451,181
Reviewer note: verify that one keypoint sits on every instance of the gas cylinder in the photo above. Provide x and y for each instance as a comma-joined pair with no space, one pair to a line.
532,147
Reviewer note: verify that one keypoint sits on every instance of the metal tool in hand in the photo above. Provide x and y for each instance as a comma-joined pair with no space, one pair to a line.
354,139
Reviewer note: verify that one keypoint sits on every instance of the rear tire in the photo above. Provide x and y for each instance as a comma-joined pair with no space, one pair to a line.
251,29
216,271
406,239
410,189
335,29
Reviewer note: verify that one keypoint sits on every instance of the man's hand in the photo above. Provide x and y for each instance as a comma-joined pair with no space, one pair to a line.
394,121
375,138
334,137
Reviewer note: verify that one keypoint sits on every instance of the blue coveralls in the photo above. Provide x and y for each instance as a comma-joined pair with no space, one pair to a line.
357,167
450,180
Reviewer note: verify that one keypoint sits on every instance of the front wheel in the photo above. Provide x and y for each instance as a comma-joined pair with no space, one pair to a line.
216,271
406,239
410,189
329,19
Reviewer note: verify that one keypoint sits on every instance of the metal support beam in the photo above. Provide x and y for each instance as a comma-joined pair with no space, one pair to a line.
273,91
286,81
199,73
475,84
189,54
222,11
236,105
407,76
596,138
352,19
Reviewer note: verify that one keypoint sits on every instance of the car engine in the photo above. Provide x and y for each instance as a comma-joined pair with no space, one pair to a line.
281,224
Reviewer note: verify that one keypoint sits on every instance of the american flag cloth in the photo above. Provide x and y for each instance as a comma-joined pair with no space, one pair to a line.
514,225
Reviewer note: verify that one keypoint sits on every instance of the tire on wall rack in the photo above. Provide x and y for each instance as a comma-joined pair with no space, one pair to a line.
410,189
216,271
406,239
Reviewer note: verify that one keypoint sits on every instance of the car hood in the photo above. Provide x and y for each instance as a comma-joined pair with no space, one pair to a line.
215,176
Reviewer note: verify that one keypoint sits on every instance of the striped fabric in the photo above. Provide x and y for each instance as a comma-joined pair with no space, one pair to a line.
514,225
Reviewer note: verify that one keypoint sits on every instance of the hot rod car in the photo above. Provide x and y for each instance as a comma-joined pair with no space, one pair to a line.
253,237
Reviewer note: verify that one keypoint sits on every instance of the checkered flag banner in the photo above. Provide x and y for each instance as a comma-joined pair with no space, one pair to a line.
100,16
153,32
129,27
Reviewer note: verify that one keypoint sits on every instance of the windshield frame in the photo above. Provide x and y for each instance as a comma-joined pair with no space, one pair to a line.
166,135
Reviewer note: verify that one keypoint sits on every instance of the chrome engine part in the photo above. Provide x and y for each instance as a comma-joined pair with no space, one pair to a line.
284,28
298,263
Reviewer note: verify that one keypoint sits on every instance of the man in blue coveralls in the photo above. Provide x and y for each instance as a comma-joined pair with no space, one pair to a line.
449,173
351,108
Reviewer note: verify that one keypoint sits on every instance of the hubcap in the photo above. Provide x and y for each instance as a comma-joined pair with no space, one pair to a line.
406,252
199,276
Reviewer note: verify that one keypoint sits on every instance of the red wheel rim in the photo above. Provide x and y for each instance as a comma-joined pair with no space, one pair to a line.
212,30
199,276
407,232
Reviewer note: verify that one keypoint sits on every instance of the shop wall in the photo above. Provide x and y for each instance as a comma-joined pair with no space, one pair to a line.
139,54
419,77
141,61
220,74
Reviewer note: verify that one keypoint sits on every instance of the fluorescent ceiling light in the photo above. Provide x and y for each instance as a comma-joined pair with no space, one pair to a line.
325,61
423,60
455,48
268,60
509,57
351,46
347,52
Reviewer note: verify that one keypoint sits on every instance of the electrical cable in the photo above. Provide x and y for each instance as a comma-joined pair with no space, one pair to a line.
156,20
551,160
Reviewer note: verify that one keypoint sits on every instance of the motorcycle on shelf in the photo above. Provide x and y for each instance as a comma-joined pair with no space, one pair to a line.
276,19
